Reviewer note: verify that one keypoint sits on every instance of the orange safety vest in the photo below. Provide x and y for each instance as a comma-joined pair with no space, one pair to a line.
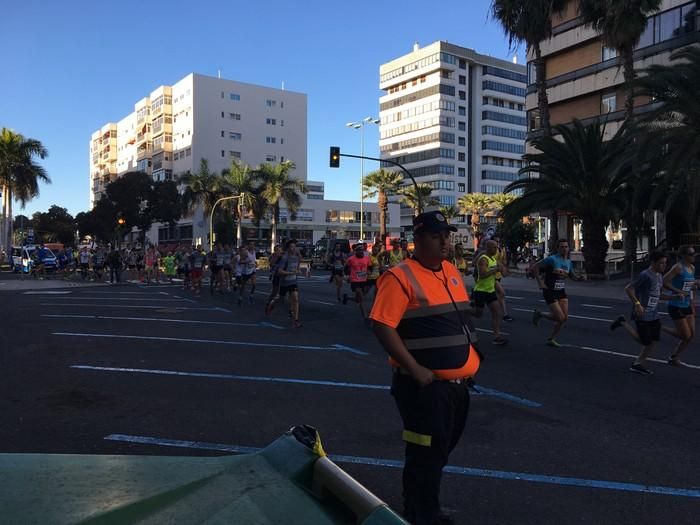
431,328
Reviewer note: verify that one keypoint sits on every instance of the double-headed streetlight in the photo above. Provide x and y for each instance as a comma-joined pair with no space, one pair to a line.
361,126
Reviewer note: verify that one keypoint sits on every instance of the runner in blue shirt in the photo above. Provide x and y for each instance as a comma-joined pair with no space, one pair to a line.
556,269
681,280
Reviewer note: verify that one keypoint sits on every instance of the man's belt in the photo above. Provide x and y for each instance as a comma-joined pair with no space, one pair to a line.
458,381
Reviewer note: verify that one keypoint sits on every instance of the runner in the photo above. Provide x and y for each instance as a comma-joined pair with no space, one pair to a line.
251,268
140,265
169,266
395,255
374,269
288,269
197,262
357,268
645,293
149,261
502,257
228,269
247,265
337,260
84,258
557,268
131,263
485,290
681,280
460,261
186,269
275,259
404,249
98,263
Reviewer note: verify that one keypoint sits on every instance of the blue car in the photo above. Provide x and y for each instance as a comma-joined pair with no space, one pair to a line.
32,255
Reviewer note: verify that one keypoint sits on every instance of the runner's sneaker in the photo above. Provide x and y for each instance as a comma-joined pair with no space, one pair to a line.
536,316
617,323
553,343
500,341
639,369
508,318
674,361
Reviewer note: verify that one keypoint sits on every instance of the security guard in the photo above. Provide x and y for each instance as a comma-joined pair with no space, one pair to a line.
421,319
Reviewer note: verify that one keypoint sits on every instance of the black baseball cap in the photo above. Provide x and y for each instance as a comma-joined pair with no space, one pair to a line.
432,222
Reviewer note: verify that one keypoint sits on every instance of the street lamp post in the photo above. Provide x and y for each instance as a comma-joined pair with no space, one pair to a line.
211,218
361,126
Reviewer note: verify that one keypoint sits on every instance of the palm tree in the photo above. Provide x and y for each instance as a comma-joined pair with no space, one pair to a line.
417,196
238,180
676,120
477,205
621,25
530,21
277,185
450,212
381,183
202,188
581,173
19,174
500,201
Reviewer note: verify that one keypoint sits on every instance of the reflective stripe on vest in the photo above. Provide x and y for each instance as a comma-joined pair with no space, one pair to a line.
447,353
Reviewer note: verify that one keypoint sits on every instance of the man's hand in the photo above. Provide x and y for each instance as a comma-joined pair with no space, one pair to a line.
638,310
422,375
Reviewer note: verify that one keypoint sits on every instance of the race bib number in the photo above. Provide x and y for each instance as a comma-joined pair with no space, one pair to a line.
338,265
688,286
361,275
198,265
652,304
559,285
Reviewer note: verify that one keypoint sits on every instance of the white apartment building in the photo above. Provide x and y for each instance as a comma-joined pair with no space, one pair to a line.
200,117
454,118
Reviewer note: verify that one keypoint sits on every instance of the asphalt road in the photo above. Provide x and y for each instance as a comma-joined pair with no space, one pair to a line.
559,436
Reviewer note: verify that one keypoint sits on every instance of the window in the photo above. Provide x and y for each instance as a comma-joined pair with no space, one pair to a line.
503,132
271,140
498,175
608,103
462,111
461,157
315,197
609,53
462,126
223,133
222,114
462,95
234,116
271,103
235,96
502,146
503,88
222,94
501,117
223,153
446,200
462,79
270,158
271,121
234,154
461,172
461,188
511,105
235,136
461,141
504,73
188,151
531,73
462,64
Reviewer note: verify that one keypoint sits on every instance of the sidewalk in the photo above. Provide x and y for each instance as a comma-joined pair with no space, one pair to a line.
17,284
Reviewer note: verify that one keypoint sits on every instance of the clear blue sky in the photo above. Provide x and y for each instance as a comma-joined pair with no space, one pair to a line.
69,67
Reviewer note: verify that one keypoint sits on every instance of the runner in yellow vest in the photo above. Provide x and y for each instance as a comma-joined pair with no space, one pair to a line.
502,257
485,289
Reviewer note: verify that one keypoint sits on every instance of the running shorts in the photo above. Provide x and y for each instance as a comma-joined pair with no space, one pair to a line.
481,299
648,331
678,312
288,289
552,296
361,285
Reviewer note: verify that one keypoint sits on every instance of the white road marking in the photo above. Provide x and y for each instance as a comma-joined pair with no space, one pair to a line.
321,302
108,292
333,348
48,292
620,354
513,297
161,320
135,306
597,306
571,316
159,299
490,331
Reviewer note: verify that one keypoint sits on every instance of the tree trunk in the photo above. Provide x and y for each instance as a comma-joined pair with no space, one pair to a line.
273,227
595,247
553,231
475,230
629,73
3,221
239,220
8,220
382,214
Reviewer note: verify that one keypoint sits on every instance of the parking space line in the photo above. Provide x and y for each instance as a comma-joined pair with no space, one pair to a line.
451,469
160,320
479,390
330,348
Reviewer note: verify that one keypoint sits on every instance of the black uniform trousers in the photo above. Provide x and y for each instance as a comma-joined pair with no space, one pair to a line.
434,417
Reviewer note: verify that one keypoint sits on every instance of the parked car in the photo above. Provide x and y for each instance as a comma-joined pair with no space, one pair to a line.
32,254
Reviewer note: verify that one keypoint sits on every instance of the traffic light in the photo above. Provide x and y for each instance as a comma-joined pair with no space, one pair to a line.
335,157
121,221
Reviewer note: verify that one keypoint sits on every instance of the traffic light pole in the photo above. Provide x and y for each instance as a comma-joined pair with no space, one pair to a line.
415,184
